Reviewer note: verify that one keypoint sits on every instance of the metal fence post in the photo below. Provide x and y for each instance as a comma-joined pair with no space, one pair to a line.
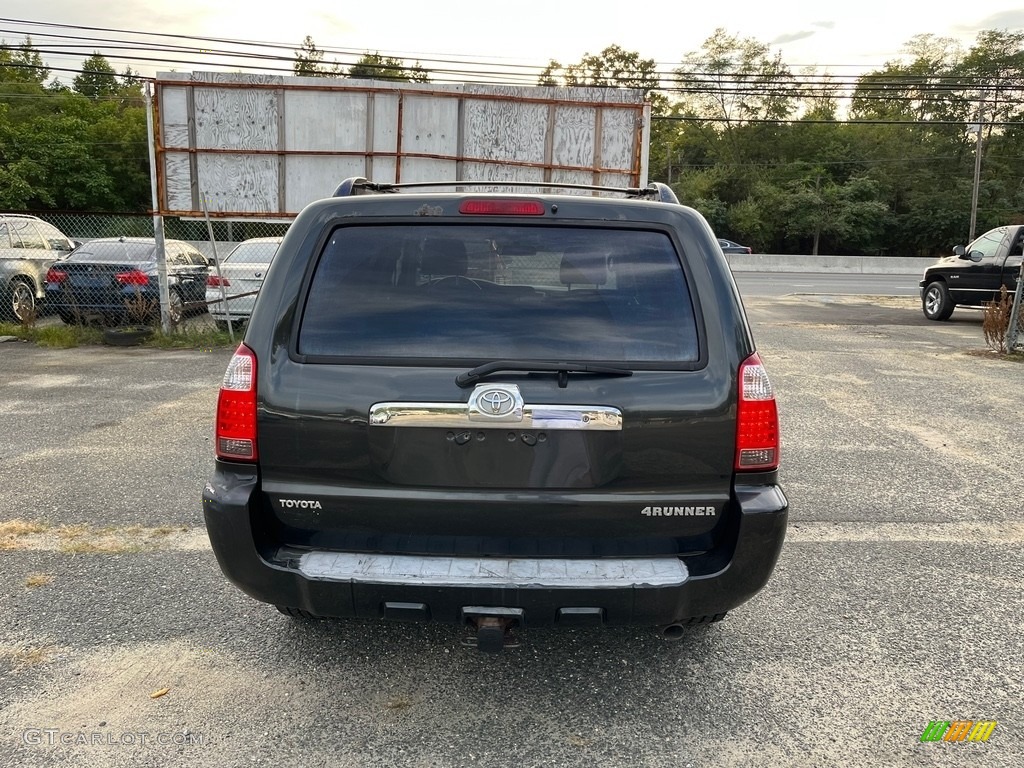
1013,333
158,221
220,275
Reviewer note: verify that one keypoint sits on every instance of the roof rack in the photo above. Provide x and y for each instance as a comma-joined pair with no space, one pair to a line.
357,185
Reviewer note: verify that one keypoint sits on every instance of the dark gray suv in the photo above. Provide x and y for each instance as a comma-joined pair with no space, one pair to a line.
498,410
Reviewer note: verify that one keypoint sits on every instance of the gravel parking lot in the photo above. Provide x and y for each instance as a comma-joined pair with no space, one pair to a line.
897,600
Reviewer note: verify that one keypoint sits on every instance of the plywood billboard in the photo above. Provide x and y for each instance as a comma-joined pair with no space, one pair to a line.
265,146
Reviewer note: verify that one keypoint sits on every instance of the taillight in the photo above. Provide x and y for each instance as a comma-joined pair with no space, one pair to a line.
56,276
132,277
216,281
502,207
757,419
236,408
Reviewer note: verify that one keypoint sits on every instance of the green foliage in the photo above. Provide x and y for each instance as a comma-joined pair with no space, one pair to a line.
97,80
614,67
828,170
81,149
59,336
736,79
22,64
309,61
373,66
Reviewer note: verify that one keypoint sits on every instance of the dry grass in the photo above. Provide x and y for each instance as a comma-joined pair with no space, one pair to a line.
30,655
83,539
38,580
13,530
995,323
86,539
21,527
398,703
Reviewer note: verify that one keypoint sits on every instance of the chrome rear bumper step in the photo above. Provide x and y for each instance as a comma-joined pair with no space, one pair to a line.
524,573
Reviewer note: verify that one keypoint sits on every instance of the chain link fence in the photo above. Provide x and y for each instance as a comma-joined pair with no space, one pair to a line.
111,278
1015,326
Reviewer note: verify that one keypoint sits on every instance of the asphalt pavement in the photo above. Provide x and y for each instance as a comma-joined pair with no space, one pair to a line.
897,600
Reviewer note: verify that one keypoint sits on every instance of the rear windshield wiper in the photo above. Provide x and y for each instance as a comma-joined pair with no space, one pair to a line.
563,369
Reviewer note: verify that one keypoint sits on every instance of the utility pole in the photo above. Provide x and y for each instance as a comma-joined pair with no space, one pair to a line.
977,166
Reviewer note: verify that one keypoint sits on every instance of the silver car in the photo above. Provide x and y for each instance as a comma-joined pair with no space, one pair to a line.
28,247
241,275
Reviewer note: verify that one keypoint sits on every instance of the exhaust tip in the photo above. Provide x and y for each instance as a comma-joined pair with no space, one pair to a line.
673,632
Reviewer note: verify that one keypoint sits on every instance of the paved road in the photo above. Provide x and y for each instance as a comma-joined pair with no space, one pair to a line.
897,600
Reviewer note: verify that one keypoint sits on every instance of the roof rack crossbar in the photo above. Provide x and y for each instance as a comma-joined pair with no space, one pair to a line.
360,186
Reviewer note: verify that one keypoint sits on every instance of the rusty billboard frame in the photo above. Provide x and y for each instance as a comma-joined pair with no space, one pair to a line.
615,99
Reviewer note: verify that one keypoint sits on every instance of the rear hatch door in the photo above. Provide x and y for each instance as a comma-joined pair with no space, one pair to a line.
599,424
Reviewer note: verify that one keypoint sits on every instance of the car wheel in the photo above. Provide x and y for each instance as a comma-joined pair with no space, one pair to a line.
936,302
20,304
68,318
176,308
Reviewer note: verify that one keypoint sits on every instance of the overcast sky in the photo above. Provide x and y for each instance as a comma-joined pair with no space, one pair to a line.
861,34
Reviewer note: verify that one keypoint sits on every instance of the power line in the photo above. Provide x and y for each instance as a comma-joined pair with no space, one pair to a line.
497,69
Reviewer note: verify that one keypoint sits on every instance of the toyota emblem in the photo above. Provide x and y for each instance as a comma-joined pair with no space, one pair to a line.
497,402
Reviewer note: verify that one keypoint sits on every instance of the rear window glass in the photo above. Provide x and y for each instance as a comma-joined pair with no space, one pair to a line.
493,293
253,253
115,251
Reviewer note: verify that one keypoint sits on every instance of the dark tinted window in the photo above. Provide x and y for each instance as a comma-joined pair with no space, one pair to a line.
490,293
988,244
115,251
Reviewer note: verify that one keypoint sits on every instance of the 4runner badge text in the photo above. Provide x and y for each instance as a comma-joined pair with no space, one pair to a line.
678,511
299,504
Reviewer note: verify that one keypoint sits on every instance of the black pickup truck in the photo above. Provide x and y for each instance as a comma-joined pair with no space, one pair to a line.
972,276
498,410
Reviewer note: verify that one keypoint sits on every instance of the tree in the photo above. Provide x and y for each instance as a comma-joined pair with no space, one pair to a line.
613,67
847,212
97,79
22,64
373,66
923,86
994,71
735,79
309,61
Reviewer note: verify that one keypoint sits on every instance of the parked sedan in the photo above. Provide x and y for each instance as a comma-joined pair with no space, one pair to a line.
973,275
115,280
728,246
241,275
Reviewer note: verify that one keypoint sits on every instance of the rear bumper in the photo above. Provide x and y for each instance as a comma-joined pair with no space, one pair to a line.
630,591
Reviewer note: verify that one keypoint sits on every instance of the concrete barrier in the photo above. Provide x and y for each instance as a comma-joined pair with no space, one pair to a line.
876,265
759,262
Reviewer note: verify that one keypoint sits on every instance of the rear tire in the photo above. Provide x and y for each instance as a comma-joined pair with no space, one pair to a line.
19,302
176,307
935,301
